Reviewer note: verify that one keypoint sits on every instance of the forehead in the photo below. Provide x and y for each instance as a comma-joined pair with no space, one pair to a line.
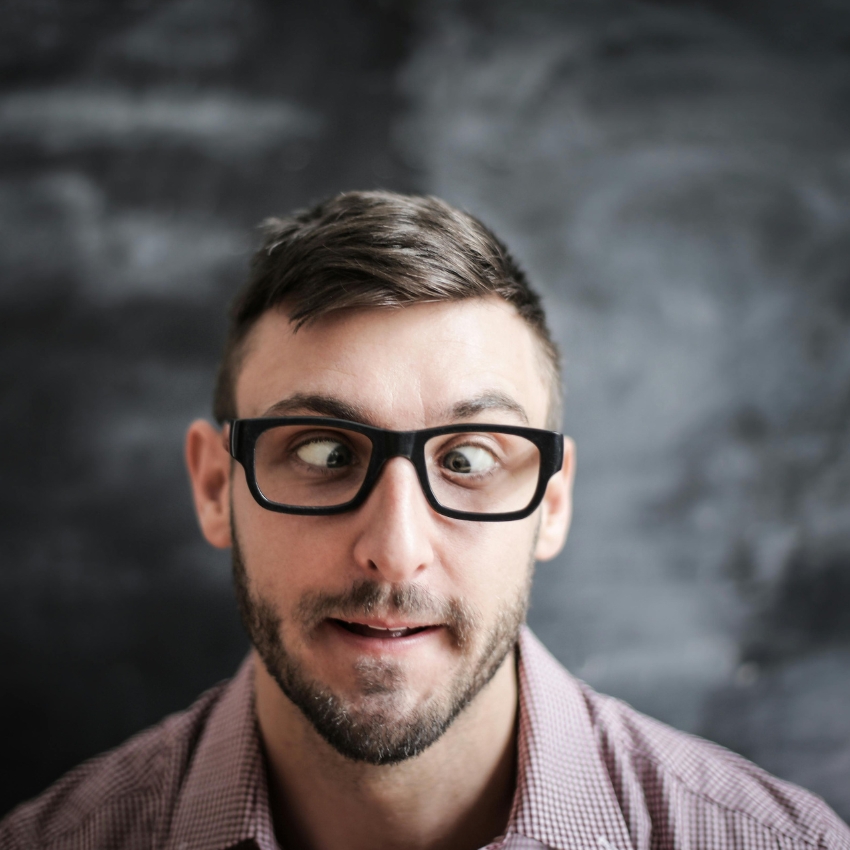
405,368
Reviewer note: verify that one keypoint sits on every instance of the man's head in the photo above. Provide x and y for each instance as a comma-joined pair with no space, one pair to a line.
382,623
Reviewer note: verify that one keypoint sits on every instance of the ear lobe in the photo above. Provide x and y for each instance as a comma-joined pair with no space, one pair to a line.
209,465
557,507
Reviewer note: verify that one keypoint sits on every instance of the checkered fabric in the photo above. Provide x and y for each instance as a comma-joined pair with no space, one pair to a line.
593,774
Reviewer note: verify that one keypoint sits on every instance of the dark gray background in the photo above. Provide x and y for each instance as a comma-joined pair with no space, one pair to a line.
675,177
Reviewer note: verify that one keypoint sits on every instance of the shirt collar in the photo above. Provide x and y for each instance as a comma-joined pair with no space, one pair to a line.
564,798
224,798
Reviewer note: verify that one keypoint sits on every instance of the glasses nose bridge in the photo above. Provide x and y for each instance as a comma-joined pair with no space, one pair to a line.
392,444
396,444
387,445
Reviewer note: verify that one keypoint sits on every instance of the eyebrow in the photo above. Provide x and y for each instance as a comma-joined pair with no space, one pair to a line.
493,400
336,408
320,405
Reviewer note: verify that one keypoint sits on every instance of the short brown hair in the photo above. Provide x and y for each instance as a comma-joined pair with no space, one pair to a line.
376,249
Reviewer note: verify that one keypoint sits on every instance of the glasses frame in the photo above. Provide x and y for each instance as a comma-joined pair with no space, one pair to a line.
386,445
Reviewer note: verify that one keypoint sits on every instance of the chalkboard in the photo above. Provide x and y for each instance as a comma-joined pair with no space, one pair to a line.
675,177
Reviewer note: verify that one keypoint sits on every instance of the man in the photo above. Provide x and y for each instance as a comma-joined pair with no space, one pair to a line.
386,472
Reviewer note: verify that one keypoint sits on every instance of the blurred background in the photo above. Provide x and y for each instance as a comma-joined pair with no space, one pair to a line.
675,176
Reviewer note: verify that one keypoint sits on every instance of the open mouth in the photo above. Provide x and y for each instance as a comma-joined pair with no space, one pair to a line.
376,632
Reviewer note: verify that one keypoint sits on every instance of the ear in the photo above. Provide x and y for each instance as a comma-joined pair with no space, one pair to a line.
557,507
209,464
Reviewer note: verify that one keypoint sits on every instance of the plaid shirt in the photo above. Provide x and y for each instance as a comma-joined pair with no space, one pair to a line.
593,775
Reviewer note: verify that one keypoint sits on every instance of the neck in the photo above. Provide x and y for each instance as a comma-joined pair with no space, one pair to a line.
456,795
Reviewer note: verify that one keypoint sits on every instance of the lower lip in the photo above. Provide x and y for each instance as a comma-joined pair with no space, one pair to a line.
379,644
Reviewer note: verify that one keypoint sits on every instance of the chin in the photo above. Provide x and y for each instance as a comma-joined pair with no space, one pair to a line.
389,715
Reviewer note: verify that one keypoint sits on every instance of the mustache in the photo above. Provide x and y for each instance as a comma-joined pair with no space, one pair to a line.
366,597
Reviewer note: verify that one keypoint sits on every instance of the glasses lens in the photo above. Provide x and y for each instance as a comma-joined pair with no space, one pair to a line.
483,472
307,466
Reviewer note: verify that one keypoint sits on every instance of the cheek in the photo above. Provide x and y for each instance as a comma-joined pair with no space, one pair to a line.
281,554
490,563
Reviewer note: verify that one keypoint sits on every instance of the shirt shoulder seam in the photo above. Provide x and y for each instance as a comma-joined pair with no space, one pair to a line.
140,793
799,837
149,789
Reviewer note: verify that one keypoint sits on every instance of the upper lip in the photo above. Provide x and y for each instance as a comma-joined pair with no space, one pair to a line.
387,624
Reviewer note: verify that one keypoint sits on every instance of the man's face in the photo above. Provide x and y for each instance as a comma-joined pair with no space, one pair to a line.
381,624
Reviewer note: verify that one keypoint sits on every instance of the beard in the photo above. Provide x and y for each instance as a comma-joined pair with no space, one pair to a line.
376,729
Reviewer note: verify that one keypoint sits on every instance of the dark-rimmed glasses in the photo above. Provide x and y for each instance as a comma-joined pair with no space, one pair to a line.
317,466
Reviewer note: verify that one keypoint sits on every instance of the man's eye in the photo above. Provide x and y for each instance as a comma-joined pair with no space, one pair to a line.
328,454
469,460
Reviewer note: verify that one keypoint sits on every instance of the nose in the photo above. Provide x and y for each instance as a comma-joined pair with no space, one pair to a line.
396,525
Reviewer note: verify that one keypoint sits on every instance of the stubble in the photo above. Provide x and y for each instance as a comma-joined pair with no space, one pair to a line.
377,728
